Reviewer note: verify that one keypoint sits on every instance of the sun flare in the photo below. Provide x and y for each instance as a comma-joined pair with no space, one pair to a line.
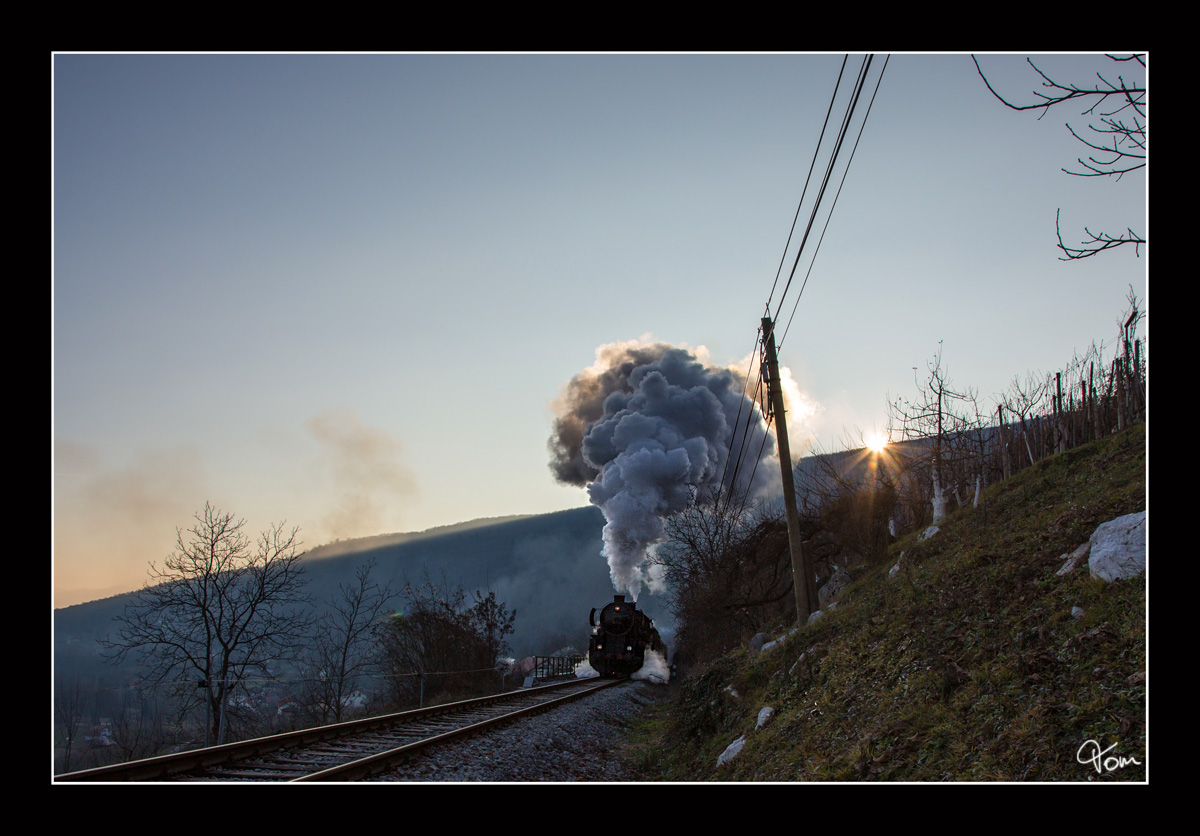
876,442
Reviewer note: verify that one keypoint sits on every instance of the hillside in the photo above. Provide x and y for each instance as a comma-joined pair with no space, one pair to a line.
970,663
546,567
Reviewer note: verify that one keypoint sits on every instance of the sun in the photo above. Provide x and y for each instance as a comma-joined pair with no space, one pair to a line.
876,442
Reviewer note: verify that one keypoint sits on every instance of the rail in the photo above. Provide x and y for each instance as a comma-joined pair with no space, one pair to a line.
342,751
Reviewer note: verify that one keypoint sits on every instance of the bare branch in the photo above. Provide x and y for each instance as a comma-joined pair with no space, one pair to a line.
1106,168
1125,151
1132,96
1096,243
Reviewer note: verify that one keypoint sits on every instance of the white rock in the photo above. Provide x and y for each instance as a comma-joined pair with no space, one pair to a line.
815,616
1119,548
764,717
929,532
774,644
833,587
1074,558
731,751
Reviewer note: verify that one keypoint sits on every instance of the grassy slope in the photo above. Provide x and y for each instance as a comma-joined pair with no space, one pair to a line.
967,665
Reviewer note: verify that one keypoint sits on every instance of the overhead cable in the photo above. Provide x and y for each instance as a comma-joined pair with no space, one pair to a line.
807,181
858,87
834,204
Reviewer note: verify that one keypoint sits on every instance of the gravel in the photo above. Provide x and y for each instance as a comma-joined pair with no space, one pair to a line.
580,741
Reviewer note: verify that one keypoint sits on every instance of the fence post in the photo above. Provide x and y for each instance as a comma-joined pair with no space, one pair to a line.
1058,413
1093,402
1005,465
1118,373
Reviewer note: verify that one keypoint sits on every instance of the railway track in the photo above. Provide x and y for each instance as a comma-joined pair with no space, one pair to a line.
347,751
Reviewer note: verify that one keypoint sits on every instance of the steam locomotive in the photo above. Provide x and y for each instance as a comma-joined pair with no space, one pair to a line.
619,642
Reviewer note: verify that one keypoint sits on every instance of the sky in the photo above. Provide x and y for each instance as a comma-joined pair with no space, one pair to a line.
344,291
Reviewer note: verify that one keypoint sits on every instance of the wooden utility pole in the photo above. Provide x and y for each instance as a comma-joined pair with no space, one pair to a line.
802,577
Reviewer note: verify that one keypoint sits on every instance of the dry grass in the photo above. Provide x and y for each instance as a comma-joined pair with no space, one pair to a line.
967,666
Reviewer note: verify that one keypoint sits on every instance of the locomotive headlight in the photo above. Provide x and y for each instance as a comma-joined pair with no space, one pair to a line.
629,648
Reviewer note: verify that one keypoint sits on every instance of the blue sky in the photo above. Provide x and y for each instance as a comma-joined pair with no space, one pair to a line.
343,290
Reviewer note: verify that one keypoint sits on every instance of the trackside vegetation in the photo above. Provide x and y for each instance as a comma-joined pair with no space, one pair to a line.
973,661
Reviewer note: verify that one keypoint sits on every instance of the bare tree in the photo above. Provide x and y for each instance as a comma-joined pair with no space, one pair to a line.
442,644
344,647
1132,362
69,710
936,415
728,569
1024,400
217,611
1116,137
974,442
136,728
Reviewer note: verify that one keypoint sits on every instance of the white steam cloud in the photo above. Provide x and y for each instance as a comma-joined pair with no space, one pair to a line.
650,429
654,669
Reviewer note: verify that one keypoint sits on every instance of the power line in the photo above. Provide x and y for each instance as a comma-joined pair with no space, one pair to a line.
834,205
864,69
737,422
807,181
729,481
730,484
747,432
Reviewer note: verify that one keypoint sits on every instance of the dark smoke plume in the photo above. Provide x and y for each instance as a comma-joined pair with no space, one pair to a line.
649,429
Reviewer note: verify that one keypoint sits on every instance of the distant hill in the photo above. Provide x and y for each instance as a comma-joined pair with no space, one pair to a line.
85,594
358,545
546,567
